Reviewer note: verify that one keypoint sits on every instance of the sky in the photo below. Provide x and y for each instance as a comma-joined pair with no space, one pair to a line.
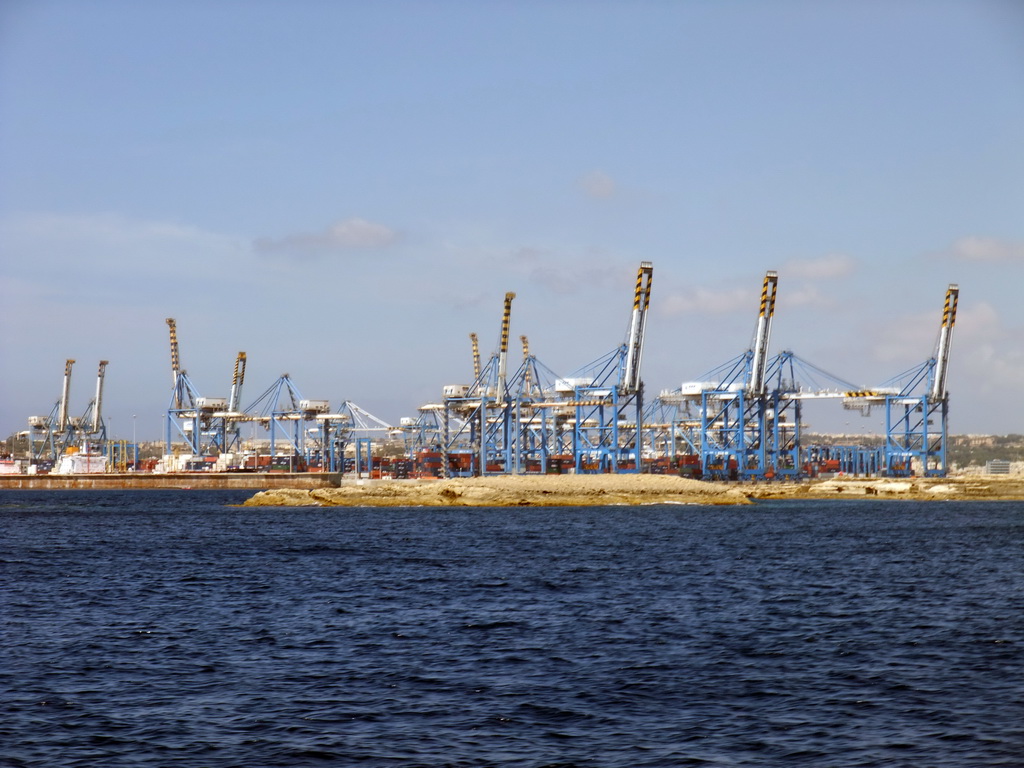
346,190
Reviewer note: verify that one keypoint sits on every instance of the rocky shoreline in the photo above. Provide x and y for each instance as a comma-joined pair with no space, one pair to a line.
591,490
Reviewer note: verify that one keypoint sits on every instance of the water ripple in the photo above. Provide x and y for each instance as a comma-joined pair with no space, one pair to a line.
169,629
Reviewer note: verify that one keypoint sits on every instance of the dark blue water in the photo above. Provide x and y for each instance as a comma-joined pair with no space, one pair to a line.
171,629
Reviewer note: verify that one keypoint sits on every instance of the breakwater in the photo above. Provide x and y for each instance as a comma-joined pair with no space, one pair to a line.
194,481
329,489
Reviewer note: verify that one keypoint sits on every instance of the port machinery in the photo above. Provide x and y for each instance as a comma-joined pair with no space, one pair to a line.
726,419
475,433
916,406
296,433
742,420
607,396
532,420
54,432
58,434
311,432
493,425
207,425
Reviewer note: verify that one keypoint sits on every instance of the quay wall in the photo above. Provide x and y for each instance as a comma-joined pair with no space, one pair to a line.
196,481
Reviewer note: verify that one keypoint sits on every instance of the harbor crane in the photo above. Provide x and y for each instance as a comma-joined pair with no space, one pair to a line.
537,416
59,431
55,430
353,423
605,439
197,420
62,421
91,425
483,442
496,424
916,406
501,393
514,423
916,418
476,356
751,418
232,418
734,409
433,426
287,415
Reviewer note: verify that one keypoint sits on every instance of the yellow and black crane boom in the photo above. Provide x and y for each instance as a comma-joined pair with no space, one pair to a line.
236,383
762,336
506,319
476,356
97,408
938,391
62,417
638,323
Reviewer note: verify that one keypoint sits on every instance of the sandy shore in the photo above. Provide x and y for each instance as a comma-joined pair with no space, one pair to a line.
588,490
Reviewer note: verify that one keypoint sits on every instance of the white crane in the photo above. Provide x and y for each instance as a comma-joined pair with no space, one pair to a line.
62,418
759,362
97,409
506,317
938,389
637,325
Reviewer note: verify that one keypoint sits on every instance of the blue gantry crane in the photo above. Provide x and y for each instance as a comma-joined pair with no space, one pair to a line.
516,423
794,381
288,416
916,427
49,436
607,396
57,434
476,421
734,403
197,420
538,417
232,419
352,424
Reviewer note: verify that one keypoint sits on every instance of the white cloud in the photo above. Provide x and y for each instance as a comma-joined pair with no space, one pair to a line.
570,278
986,249
564,272
105,252
797,291
993,371
986,357
528,255
598,184
359,233
350,234
978,321
907,339
712,301
828,267
104,229
804,295
986,354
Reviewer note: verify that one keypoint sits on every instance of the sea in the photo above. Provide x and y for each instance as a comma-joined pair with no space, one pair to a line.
177,628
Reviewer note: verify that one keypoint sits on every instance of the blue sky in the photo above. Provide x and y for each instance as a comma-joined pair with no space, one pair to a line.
345,190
